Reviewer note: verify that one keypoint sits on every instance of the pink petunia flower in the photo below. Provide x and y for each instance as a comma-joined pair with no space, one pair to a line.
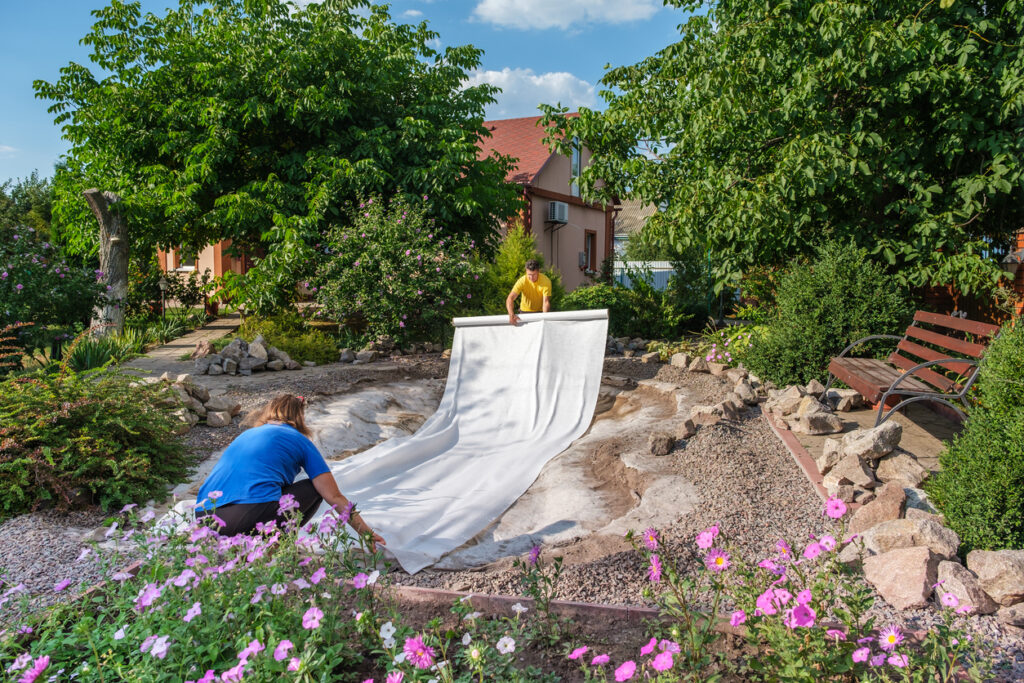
835,634
803,597
625,671
281,651
311,619
828,542
835,508
600,660
662,662
812,550
359,580
706,538
877,660
737,618
578,652
294,662
899,661
194,611
61,585
318,576
861,654
948,599
649,647
800,616
287,503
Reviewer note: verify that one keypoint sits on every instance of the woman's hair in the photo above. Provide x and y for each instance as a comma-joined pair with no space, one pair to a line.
286,408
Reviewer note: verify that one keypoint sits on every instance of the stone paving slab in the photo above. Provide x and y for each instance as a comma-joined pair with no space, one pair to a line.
165,358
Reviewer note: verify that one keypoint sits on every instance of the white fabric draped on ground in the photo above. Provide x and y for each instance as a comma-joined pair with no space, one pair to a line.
515,398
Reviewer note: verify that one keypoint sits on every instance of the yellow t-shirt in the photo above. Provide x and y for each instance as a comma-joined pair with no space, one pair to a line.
533,293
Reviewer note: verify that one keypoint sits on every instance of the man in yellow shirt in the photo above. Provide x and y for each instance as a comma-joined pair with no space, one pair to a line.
535,288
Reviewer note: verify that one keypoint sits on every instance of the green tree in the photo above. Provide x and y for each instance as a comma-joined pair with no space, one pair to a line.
258,121
516,248
27,203
772,127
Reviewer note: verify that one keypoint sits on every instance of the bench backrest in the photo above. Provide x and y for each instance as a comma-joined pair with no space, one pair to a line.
933,336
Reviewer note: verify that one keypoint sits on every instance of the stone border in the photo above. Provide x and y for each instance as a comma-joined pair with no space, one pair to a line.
800,455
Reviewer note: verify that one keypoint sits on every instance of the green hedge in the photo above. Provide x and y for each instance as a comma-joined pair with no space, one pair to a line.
290,333
980,488
91,438
821,307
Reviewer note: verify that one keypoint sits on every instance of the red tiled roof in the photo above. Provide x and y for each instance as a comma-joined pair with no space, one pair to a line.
519,138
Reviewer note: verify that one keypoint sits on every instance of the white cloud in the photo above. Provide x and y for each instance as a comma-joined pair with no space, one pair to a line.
412,13
7,152
522,90
543,14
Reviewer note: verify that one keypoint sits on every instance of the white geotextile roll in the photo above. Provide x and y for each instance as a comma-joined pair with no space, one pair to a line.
515,398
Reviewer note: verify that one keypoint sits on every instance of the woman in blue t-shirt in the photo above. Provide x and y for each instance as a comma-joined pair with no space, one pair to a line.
259,467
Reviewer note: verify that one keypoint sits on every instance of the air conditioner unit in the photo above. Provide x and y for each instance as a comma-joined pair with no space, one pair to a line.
558,212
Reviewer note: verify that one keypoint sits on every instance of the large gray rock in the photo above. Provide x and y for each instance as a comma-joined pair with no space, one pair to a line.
817,424
699,365
250,364
201,365
260,340
181,394
218,418
259,352
1000,573
831,453
918,499
275,365
1013,615
887,505
236,350
366,356
815,388
907,533
717,369
346,356
686,430
809,405
784,405
746,392
216,370
680,360
729,410
197,391
901,467
736,375
844,400
652,357
292,364
230,366
223,404
904,576
737,403
274,353
853,468
661,443
915,513
196,406
961,582
872,444
793,391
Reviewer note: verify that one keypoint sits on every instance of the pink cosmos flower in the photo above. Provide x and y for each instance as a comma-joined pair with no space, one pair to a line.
534,551
890,637
418,653
737,618
835,508
318,576
662,662
654,571
38,667
359,580
281,651
625,671
861,654
395,677
61,585
897,660
600,660
948,599
311,619
578,652
717,560
803,597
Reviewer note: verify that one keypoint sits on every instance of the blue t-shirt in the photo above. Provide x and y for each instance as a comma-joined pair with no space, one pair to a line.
259,463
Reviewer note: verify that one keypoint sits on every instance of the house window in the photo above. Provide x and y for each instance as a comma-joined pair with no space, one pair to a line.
590,249
179,259
574,169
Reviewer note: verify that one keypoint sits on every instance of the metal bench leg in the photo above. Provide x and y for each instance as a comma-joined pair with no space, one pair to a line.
913,399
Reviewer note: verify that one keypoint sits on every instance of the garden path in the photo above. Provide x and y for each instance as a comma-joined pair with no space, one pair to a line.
165,358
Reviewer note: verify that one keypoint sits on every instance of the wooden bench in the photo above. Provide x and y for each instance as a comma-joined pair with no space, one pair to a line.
936,359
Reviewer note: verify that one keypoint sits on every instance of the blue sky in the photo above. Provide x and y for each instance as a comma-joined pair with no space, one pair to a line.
535,50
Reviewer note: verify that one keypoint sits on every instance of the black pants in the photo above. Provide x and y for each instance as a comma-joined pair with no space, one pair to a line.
241,518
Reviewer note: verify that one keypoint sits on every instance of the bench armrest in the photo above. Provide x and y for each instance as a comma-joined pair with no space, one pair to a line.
919,366
861,341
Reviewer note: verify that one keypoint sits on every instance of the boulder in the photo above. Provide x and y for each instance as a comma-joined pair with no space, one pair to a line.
728,410
661,443
815,388
198,391
736,375
746,392
854,553
962,582
784,405
223,404
918,499
346,356
309,363
686,430
230,366
291,364
1000,573
203,348
915,513
872,444
201,365
249,365
166,377
218,418
629,353
904,576
854,469
181,394
792,391
447,353
907,533
699,365
832,481
863,496
259,352
366,356
184,379
275,365
706,415
817,424
737,402
811,406
844,492
831,453
901,467
196,406
261,340
887,505
652,357
236,350
1013,615
274,353
680,360
844,400
717,369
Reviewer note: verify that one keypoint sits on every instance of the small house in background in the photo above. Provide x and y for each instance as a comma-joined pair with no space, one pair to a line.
214,259
631,219
573,235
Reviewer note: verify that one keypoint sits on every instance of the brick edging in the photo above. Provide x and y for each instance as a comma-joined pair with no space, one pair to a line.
799,453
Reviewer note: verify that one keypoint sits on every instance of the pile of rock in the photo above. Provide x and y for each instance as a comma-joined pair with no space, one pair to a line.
806,409
905,550
385,348
243,358
626,346
193,404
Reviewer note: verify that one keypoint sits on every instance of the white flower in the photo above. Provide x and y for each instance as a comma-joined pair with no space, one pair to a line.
471,615
111,530
387,630
119,633
506,645
399,658
467,639
465,597
519,609
388,643
372,578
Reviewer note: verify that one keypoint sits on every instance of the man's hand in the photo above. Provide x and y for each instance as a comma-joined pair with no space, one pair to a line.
513,319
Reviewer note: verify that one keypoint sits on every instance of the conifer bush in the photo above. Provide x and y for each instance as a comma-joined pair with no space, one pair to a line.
516,248
980,488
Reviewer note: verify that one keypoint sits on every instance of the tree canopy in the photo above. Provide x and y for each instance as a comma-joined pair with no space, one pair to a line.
261,122
771,127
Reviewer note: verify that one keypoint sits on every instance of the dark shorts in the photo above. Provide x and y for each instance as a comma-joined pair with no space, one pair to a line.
241,518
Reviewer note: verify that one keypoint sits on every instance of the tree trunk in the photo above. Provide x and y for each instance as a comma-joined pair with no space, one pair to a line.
113,259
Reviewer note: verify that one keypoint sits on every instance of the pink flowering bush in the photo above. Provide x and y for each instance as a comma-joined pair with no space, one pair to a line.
397,272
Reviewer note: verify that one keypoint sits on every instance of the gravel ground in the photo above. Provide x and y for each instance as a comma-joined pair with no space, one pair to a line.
747,482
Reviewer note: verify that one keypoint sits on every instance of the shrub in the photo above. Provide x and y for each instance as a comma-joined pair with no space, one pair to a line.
642,311
516,248
616,298
821,307
980,488
398,272
69,438
291,334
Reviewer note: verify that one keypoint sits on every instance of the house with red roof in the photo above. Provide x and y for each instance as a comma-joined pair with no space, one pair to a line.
573,235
